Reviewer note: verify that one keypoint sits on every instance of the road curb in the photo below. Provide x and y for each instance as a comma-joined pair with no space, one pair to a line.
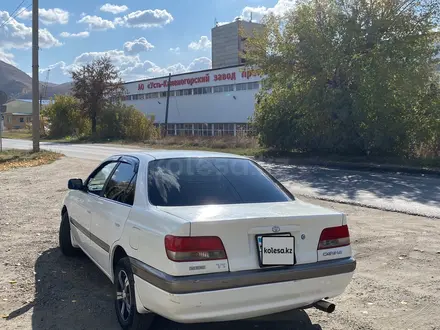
371,167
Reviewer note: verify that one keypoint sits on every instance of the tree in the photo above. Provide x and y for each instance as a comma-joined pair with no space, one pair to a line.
95,85
349,76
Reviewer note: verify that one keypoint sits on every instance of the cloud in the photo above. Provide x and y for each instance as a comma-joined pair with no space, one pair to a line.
6,57
145,19
15,35
203,44
47,16
83,34
201,63
97,23
114,9
56,69
175,50
280,8
131,67
137,46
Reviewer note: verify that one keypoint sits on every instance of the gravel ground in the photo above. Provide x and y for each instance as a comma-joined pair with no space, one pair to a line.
396,284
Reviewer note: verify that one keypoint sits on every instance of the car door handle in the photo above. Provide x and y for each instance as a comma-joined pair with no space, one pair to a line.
117,224
89,212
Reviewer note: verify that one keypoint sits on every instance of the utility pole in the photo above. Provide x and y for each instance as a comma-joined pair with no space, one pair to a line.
35,80
168,104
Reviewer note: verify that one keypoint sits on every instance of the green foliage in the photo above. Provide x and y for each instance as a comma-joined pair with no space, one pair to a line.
64,117
119,121
116,121
95,85
350,77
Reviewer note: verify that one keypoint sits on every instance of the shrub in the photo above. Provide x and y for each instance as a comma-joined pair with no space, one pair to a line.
64,118
119,121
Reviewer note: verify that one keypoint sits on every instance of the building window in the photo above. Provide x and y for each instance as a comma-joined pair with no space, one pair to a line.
170,129
21,120
180,92
207,90
198,91
218,89
203,129
242,87
229,88
187,92
151,95
135,97
163,94
141,96
253,85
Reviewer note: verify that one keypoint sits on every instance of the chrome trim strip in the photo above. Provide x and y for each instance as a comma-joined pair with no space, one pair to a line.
103,245
231,280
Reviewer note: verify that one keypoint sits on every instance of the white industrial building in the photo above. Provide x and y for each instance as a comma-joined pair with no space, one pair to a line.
218,101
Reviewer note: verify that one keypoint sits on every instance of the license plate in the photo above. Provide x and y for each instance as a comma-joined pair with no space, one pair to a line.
276,250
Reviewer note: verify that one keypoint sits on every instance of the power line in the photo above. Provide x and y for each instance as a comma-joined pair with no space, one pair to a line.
15,13
16,9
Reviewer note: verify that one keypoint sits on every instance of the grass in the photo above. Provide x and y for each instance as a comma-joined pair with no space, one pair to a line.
13,158
230,144
246,146
22,134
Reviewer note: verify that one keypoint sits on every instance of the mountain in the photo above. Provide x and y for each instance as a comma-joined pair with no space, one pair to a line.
17,84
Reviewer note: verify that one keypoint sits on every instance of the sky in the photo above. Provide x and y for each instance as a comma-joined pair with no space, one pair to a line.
143,38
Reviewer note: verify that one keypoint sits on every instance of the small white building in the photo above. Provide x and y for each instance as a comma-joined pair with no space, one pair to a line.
210,102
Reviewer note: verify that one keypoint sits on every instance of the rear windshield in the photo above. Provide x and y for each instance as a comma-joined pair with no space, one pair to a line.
202,181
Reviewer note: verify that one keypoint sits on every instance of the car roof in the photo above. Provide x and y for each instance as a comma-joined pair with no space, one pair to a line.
167,154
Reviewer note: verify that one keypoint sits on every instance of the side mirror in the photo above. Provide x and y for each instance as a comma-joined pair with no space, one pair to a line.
75,184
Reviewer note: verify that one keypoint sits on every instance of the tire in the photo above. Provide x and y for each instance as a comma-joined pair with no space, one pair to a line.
129,318
65,240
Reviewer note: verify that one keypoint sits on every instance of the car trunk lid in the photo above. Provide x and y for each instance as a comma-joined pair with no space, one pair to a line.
238,226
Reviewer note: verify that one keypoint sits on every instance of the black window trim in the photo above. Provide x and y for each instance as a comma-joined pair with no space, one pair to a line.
99,168
265,172
131,160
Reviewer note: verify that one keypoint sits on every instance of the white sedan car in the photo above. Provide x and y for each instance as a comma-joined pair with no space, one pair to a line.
201,237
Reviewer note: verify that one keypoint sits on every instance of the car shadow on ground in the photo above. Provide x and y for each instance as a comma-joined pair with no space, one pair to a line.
72,293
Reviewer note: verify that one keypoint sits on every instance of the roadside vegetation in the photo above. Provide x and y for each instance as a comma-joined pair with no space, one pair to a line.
10,159
25,134
99,115
351,78
350,81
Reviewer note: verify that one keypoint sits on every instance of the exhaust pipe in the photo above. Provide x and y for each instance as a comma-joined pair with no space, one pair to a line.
325,306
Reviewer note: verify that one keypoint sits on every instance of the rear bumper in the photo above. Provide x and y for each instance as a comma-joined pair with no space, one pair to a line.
233,280
250,294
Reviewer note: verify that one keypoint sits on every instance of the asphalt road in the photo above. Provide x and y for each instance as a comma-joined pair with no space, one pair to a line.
418,195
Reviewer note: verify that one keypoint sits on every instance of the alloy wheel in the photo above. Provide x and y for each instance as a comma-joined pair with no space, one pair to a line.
123,295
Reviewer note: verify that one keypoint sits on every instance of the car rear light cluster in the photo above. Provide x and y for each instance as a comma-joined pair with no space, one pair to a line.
334,237
185,249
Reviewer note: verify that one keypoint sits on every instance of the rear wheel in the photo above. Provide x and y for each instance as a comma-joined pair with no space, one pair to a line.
65,239
125,301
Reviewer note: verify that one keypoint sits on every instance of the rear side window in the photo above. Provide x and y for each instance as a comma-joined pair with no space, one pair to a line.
121,186
203,181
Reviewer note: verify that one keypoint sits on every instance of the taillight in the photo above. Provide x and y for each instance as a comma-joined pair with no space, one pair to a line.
334,237
184,249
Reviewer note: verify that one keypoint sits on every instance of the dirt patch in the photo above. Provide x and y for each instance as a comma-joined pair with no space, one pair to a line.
10,159
396,284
